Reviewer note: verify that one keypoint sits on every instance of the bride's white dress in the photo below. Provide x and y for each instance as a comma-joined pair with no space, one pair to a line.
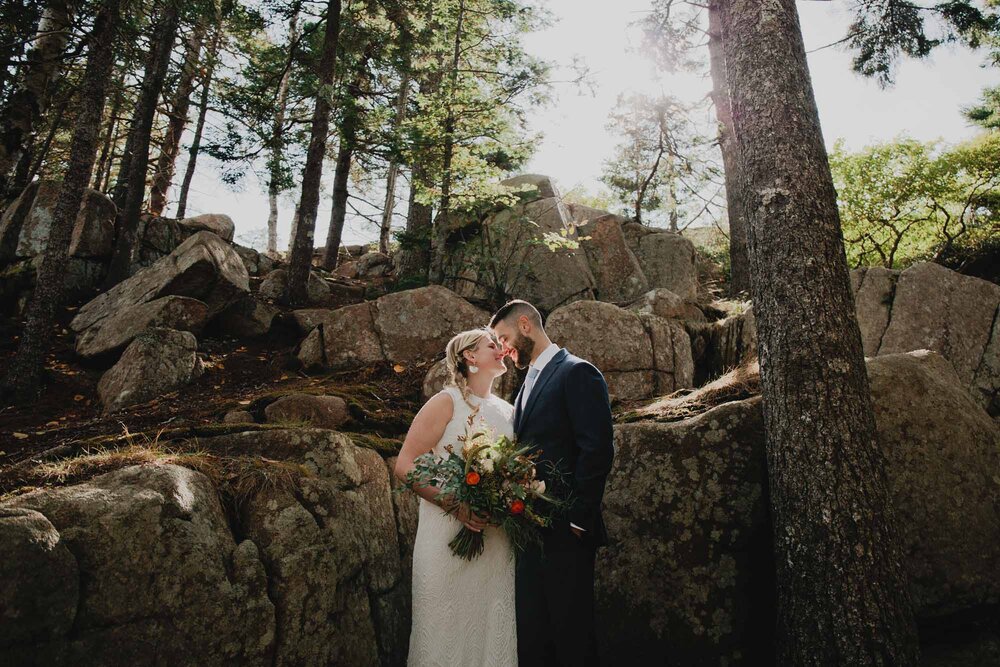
463,611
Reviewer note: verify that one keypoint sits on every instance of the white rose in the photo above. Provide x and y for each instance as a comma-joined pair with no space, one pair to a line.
539,486
487,465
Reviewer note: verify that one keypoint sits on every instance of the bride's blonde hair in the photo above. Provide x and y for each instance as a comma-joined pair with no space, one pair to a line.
457,365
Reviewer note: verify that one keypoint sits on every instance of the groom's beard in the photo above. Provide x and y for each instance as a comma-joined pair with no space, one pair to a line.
524,347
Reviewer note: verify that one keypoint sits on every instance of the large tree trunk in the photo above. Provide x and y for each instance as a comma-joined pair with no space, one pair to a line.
178,117
390,180
345,153
24,378
278,142
739,272
211,60
300,262
134,184
28,102
841,586
442,221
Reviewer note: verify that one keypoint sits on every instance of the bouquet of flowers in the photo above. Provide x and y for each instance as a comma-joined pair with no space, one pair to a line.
496,479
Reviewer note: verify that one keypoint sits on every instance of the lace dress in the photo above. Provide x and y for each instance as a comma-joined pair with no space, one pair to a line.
463,611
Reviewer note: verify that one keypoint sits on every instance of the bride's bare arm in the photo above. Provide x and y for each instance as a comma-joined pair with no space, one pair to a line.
425,431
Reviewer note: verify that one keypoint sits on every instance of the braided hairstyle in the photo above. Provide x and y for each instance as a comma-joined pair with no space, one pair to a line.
457,365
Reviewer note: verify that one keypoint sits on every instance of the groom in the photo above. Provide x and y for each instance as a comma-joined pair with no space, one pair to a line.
563,413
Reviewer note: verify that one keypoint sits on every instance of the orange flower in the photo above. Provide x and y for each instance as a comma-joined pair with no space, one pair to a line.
517,507
472,478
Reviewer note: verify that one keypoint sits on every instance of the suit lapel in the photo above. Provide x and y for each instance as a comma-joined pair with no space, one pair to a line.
539,385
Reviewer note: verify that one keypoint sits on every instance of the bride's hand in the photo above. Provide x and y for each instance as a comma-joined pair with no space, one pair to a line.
471,520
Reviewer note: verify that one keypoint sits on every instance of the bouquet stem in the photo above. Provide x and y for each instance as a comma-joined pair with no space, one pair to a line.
468,544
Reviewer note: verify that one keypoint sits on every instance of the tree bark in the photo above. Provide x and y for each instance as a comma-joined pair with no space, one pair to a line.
277,141
739,263
841,586
300,262
28,101
345,153
178,117
127,223
390,179
24,378
211,59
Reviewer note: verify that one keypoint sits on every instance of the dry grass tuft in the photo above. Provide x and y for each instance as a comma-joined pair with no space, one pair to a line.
740,383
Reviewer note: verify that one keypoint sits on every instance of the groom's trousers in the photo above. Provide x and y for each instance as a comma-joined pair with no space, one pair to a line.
555,603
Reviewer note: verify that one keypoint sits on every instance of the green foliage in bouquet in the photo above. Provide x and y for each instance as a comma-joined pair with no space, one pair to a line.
498,480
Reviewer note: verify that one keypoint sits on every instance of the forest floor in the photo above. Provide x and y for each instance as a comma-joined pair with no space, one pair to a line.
240,374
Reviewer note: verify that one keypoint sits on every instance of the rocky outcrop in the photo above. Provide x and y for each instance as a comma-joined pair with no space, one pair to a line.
511,243
929,306
373,265
664,303
204,267
532,187
618,276
158,237
667,259
640,355
246,318
219,224
157,566
156,362
27,222
721,345
257,263
115,332
403,327
689,572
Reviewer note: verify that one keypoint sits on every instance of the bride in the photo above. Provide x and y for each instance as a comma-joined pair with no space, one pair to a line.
463,611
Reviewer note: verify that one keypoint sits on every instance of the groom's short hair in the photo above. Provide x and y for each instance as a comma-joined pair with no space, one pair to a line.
513,310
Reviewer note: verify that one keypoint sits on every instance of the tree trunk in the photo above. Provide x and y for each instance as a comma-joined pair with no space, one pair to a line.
739,272
211,59
277,141
106,151
390,180
345,153
841,586
39,154
442,221
178,118
24,378
300,262
134,191
28,102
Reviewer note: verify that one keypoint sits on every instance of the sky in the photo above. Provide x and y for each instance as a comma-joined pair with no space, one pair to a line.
925,103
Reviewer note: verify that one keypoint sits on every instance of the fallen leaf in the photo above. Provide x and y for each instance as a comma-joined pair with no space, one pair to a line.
20,436
399,368
244,402
78,397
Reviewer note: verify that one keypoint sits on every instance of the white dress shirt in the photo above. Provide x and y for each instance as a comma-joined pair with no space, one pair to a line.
539,364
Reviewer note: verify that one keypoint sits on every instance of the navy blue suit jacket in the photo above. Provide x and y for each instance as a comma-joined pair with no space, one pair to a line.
568,421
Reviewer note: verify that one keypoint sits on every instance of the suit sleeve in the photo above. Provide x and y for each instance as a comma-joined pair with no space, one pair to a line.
593,433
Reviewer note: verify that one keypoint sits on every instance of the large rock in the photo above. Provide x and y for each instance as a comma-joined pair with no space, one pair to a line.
274,283
204,267
247,318
373,265
689,572
664,303
874,288
156,362
39,580
403,327
115,332
314,410
219,224
941,310
158,567
667,259
415,325
640,355
257,263
330,549
722,345
518,262
617,273
27,223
